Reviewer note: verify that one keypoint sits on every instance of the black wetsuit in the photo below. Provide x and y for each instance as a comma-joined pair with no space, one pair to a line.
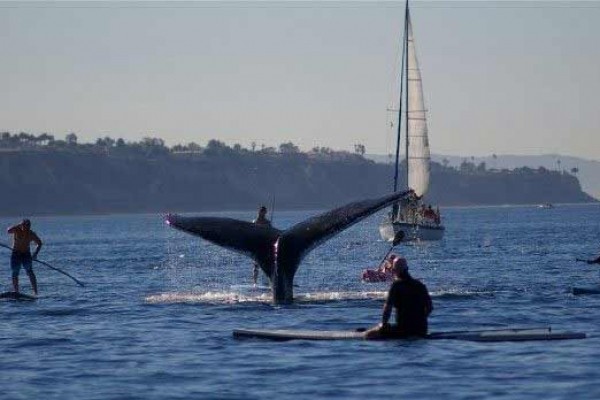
411,300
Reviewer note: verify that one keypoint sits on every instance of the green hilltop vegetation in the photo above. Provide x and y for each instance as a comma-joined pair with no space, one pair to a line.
43,175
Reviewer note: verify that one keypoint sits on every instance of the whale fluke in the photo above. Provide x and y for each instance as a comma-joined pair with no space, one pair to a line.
255,241
306,235
279,253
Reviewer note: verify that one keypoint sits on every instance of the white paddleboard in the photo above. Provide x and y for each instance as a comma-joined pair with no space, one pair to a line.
497,335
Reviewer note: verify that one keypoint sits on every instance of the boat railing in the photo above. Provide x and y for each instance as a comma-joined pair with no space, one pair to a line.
416,219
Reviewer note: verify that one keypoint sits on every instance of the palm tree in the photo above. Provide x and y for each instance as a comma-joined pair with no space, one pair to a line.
45,139
71,139
5,139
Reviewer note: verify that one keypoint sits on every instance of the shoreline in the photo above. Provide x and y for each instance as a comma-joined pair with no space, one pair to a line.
253,209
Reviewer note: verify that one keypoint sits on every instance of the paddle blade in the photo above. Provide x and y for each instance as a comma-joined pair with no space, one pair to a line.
399,237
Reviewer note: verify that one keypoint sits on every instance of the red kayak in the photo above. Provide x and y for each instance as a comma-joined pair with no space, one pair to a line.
375,275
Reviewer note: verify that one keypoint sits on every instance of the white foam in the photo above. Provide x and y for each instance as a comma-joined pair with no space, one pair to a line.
257,297
339,296
458,293
208,297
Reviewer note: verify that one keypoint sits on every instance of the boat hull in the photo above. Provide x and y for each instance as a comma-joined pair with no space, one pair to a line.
412,232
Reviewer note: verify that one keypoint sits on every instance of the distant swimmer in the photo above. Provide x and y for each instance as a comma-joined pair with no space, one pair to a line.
413,305
261,219
21,253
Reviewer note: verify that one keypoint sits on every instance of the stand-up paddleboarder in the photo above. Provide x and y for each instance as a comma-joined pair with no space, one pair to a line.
261,219
21,253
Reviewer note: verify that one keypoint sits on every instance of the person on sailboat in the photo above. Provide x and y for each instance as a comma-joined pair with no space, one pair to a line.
261,219
21,253
429,213
412,302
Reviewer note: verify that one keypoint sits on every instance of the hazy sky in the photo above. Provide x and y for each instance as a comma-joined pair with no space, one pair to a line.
499,77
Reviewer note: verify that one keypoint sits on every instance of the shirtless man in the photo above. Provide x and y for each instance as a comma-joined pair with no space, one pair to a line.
21,254
261,219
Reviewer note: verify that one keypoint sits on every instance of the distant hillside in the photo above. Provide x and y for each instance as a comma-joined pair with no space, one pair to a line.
84,180
588,170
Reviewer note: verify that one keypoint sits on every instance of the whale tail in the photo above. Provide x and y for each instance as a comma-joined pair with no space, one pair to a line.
254,241
279,253
301,238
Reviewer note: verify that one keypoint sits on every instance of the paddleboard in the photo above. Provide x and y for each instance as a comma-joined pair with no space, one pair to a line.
17,296
590,290
497,335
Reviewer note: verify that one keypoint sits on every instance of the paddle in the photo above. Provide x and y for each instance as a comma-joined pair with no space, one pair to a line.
397,239
50,266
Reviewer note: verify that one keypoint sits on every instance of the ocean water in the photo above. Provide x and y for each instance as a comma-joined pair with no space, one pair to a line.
155,319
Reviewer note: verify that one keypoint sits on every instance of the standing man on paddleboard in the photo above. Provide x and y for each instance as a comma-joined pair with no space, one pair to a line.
21,254
261,219
413,305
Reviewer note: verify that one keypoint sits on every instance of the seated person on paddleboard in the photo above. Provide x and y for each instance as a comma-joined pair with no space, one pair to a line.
413,305
21,254
261,219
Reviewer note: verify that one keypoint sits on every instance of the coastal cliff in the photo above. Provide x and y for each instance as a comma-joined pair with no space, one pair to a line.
81,181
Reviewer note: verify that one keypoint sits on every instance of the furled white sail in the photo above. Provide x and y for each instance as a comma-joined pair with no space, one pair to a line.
418,143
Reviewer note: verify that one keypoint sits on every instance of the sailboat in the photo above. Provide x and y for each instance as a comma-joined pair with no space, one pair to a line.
418,222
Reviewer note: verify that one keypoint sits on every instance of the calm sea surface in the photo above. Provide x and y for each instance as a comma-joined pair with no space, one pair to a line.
155,318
